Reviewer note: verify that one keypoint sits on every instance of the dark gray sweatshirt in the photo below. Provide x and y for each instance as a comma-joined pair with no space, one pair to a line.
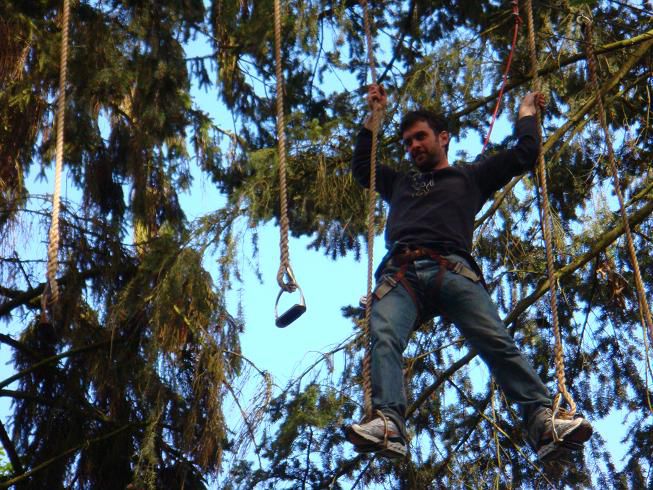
436,209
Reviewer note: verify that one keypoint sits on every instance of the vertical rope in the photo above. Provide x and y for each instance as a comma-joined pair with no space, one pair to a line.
371,206
545,219
53,246
285,271
594,80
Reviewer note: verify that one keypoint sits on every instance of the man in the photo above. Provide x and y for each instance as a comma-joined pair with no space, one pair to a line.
429,270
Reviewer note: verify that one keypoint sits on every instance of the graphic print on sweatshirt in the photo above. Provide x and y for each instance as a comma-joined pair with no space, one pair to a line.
421,183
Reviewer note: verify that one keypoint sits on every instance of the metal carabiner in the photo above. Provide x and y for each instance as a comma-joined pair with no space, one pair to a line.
295,311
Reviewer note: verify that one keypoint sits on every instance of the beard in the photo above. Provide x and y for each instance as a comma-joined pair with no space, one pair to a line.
425,161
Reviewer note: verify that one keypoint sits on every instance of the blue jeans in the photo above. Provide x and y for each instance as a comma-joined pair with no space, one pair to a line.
468,305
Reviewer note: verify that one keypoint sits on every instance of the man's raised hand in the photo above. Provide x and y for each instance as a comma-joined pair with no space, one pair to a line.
377,99
530,103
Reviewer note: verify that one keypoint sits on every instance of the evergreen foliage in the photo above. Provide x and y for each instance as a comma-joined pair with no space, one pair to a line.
126,387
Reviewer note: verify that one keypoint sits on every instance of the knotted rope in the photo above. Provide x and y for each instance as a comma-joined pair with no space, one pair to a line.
545,219
285,276
52,287
603,121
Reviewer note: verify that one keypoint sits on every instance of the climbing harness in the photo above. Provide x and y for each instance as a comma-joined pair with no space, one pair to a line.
285,276
51,290
645,316
405,257
545,219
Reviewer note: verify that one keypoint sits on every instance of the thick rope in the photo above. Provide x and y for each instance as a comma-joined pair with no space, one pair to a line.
546,231
284,275
371,206
594,80
53,246
504,82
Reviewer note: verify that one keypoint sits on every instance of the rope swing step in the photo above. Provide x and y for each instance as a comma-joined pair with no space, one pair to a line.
285,275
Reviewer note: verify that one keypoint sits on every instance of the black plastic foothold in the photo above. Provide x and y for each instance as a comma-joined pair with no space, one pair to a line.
295,311
290,316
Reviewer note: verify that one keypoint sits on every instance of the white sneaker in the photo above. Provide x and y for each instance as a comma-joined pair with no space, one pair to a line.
380,435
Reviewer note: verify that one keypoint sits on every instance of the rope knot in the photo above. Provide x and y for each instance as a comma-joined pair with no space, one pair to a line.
286,279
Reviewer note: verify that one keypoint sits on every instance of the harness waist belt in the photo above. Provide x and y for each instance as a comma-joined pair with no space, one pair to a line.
410,255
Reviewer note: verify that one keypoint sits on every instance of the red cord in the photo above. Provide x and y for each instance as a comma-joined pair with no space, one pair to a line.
518,21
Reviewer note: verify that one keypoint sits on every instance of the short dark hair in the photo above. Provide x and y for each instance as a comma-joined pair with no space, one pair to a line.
435,121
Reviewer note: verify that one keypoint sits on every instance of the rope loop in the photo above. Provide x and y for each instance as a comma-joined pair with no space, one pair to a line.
286,279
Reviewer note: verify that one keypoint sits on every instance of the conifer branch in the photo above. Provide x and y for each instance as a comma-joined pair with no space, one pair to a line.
10,449
6,339
481,416
604,241
646,38
48,360
25,298
246,420
574,119
72,450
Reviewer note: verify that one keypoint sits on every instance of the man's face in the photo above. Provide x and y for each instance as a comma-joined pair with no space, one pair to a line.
426,148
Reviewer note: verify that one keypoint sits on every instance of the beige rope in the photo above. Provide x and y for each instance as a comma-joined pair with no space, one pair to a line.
371,206
639,283
53,246
545,219
284,275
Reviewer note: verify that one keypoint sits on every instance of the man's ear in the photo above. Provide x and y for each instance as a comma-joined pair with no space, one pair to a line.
443,138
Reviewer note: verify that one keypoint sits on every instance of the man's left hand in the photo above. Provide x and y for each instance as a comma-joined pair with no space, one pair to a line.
531,102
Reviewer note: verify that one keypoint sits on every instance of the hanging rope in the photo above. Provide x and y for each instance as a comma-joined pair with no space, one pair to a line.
545,219
504,82
52,288
594,80
371,206
285,276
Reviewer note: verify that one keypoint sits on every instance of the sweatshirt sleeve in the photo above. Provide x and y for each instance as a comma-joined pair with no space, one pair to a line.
496,171
360,166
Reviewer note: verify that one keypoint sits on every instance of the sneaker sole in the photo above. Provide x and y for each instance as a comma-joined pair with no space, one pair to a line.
394,450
